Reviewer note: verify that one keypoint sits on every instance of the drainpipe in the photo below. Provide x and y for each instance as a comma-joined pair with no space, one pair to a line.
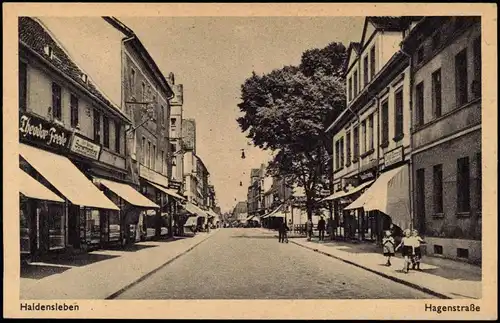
410,165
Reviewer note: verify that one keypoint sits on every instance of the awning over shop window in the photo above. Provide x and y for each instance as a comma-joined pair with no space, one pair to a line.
193,209
212,214
273,212
389,194
167,191
30,187
66,178
190,221
128,193
341,194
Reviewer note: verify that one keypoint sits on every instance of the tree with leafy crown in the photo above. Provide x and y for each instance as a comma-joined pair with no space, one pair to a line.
288,110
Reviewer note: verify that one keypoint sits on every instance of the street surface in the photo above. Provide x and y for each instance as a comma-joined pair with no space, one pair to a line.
247,263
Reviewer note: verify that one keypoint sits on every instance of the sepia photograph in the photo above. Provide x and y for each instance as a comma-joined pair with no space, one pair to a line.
253,159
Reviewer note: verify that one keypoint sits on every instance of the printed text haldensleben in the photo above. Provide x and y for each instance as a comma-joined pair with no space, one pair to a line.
49,307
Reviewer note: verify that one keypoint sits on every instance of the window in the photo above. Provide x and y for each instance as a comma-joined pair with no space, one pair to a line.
461,78
479,181
463,185
162,170
355,83
420,54
173,122
363,128
398,106
373,62
438,250
117,136
348,148
371,132
105,130
162,115
476,49
436,39
365,71
337,154
356,144
436,93
143,91
349,98
23,86
385,122
56,101
97,126
153,158
419,108
462,253
143,149
420,200
341,152
74,110
173,149
132,79
438,188
148,155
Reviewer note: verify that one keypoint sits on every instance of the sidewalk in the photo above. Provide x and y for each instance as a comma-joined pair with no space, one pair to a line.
441,277
101,274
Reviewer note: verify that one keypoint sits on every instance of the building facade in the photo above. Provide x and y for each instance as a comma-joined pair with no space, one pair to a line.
176,146
371,141
66,126
446,134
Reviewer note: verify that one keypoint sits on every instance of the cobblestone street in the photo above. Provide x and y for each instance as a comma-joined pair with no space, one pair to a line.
248,263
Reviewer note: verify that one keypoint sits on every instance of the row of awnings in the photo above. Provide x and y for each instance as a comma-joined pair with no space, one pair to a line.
277,213
389,193
61,173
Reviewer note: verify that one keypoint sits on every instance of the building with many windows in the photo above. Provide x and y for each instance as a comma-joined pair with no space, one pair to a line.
371,138
446,134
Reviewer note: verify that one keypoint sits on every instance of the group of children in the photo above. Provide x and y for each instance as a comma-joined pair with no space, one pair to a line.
410,248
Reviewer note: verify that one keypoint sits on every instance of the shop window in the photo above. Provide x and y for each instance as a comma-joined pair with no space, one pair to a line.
365,71
463,185
93,226
461,78
438,250
56,101
355,144
385,122
463,253
97,127
373,62
476,49
419,109
118,129
438,188
105,125
56,226
436,93
398,106
114,226
74,111
24,226
23,86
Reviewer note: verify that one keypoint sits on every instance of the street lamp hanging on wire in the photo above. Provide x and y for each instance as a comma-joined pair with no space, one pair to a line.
243,154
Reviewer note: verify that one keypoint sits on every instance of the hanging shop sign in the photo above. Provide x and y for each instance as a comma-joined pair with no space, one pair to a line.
84,147
37,130
175,185
394,156
365,176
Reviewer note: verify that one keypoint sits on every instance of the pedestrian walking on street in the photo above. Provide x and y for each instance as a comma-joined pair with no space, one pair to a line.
309,229
407,249
416,241
388,244
282,232
321,229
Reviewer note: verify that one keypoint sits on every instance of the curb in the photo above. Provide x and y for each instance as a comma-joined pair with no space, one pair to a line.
395,279
142,278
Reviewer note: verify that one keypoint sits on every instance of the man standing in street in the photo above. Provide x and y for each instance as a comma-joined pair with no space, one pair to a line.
321,229
309,229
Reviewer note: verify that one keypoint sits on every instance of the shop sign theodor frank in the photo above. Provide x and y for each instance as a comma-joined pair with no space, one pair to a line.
43,132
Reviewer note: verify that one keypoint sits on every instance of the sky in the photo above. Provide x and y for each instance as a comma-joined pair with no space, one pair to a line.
211,57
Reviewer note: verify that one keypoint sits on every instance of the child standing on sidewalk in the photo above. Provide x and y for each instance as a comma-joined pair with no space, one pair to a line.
407,249
388,244
417,240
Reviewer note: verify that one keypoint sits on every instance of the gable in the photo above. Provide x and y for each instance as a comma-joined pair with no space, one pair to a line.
368,31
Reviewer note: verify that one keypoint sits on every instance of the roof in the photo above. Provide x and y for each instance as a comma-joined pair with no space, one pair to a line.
142,49
255,172
352,46
33,34
387,22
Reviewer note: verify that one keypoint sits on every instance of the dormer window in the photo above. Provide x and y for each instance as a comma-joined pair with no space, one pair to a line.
48,51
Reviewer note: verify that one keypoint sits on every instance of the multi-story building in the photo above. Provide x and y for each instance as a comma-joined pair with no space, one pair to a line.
371,138
176,146
446,134
68,127
146,95
240,212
